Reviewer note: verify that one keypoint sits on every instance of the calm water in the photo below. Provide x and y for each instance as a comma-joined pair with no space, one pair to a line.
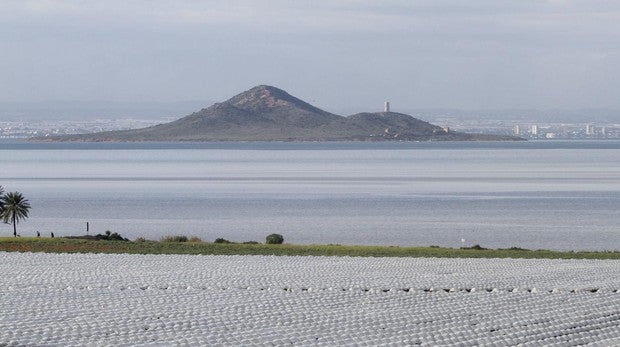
556,195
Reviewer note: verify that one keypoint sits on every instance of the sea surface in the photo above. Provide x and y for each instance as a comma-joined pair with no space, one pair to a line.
562,195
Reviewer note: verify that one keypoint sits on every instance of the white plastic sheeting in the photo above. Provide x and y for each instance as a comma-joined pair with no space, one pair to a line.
97,299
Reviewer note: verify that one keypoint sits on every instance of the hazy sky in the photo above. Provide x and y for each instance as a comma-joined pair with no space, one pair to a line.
474,54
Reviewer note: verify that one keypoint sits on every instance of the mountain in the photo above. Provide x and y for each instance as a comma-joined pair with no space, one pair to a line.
266,113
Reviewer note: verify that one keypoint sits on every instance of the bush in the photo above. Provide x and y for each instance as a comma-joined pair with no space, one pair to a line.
110,236
195,239
475,247
221,240
274,239
175,238
140,239
518,249
250,243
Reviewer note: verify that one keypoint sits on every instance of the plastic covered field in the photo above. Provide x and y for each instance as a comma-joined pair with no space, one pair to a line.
102,299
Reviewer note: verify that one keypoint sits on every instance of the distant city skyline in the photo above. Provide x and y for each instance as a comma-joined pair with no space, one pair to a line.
90,110
344,55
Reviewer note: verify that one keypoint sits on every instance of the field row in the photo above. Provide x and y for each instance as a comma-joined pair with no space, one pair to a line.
98,299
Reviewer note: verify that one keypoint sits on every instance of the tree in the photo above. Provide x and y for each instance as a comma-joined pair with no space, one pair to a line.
1,204
275,239
14,208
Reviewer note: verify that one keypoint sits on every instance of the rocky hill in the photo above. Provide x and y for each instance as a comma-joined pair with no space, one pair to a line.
266,113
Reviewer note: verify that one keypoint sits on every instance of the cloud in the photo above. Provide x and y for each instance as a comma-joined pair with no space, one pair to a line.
320,15
434,52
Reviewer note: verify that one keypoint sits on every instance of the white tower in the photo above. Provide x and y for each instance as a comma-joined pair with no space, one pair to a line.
386,107
534,129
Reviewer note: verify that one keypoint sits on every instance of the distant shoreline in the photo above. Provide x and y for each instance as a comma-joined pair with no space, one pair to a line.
331,145
267,113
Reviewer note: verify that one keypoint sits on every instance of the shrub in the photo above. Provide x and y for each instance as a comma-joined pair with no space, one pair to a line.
195,239
116,237
175,238
517,249
250,243
274,239
110,236
140,239
475,247
221,240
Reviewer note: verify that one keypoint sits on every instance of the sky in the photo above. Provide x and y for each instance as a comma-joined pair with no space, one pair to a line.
345,54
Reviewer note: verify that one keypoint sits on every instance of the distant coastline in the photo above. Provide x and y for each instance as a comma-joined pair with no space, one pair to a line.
318,145
266,113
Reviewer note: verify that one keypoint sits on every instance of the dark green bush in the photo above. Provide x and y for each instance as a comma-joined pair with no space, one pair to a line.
514,249
110,236
175,238
116,237
275,239
475,247
221,240
250,243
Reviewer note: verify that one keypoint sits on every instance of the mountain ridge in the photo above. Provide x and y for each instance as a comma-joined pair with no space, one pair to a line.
267,113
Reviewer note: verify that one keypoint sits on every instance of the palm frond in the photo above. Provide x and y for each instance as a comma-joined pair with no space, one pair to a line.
14,207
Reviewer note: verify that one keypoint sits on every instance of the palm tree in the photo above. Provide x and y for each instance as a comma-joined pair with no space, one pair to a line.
14,208
1,204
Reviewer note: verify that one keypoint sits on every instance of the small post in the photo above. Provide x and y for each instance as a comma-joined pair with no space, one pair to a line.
87,228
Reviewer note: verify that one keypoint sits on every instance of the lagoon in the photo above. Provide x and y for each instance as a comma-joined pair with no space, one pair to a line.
562,195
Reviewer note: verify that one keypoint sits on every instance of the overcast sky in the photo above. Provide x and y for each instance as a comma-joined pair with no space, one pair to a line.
474,54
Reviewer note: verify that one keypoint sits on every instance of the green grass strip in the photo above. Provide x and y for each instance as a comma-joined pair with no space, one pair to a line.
63,245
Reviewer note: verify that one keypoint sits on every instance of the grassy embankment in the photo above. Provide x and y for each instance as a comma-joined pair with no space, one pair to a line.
62,245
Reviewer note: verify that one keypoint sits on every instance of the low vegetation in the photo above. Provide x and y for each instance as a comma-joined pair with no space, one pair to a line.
180,245
107,236
174,238
274,239
221,240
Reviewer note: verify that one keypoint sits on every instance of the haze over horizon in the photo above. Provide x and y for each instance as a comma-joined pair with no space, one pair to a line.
346,55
